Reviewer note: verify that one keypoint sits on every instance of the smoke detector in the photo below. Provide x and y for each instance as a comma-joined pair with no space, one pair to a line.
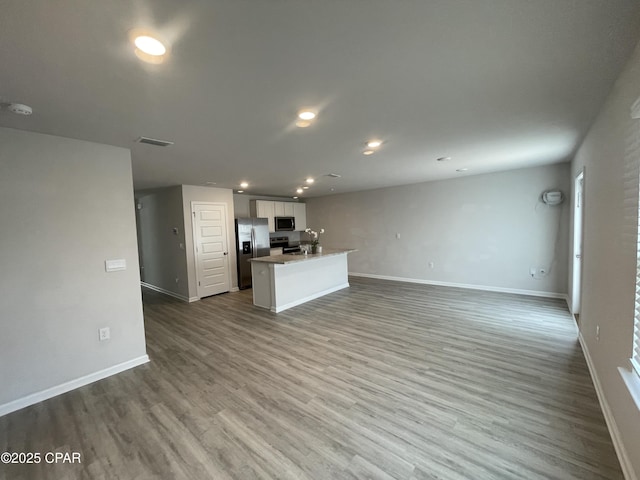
19,108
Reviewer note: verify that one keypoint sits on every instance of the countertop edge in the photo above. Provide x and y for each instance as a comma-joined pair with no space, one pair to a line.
286,259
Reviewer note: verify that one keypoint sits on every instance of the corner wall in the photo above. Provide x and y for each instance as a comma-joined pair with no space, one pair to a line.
609,155
66,206
163,252
484,231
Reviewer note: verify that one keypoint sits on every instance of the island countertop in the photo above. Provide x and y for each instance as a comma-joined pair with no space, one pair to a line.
295,258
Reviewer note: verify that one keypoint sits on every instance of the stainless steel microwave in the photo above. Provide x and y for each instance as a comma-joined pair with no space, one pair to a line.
285,224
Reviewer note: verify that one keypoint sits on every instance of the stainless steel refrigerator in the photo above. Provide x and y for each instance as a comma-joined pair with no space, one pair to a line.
252,240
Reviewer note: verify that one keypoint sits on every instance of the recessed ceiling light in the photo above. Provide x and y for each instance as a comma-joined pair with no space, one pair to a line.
443,159
150,45
306,115
295,198
462,169
299,190
305,188
244,184
374,143
368,152
309,180
240,191
210,183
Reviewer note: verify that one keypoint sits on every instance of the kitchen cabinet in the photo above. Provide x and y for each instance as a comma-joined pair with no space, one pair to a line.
264,209
300,214
283,209
269,209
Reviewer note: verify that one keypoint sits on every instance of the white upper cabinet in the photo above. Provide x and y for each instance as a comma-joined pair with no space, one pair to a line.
300,214
289,209
270,210
264,209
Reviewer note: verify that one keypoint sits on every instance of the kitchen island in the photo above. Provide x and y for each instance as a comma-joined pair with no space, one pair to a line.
284,281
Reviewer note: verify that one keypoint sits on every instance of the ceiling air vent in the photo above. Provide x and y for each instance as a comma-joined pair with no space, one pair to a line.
333,175
154,141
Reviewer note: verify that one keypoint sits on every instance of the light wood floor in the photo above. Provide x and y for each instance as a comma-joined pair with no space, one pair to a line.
383,380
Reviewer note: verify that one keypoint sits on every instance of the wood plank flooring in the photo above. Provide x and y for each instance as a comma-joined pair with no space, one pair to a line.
384,380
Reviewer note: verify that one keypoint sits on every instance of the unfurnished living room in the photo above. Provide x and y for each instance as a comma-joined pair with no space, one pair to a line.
320,240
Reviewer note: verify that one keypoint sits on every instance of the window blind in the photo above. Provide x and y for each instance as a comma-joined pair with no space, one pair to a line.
631,192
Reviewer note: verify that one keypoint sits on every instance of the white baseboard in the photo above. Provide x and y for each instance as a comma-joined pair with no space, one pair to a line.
534,293
70,385
234,289
310,297
623,456
168,292
193,299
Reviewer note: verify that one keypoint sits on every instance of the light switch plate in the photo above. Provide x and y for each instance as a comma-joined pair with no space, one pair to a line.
115,265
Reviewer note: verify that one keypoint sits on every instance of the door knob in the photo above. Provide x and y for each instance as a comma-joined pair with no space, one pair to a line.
226,253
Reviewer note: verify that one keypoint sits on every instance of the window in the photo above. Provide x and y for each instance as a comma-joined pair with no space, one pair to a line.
635,353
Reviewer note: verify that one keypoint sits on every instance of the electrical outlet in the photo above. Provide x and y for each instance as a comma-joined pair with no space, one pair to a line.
542,271
532,271
177,280
104,333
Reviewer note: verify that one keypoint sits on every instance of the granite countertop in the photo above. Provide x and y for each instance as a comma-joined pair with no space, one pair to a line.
289,258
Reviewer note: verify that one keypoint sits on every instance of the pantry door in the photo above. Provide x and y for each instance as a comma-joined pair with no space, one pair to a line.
211,248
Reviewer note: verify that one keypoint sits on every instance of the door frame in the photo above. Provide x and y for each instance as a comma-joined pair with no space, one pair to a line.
576,300
195,241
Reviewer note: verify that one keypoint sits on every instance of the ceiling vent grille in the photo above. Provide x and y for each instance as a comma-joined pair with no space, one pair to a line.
154,141
333,175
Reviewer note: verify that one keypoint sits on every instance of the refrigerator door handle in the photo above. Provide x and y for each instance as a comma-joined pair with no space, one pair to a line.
253,242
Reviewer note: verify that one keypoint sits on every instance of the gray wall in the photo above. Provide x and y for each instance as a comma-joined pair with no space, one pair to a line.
609,249
485,230
65,207
163,253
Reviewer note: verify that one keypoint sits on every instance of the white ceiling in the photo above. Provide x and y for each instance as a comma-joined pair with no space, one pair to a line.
495,84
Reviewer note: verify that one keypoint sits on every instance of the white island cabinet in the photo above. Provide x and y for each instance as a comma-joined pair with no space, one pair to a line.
284,281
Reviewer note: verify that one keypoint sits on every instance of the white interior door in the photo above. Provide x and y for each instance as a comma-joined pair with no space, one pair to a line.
211,248
578,218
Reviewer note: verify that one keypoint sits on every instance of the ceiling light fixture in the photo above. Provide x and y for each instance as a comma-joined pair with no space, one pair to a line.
148,48
368,152
244,184
150,45
240,191
374,143
295,198
306,115
299,190
309,180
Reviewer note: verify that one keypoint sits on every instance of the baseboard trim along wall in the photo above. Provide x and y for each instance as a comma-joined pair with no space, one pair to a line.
177,295
167,292
71,385
534,293
623,456
310,297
